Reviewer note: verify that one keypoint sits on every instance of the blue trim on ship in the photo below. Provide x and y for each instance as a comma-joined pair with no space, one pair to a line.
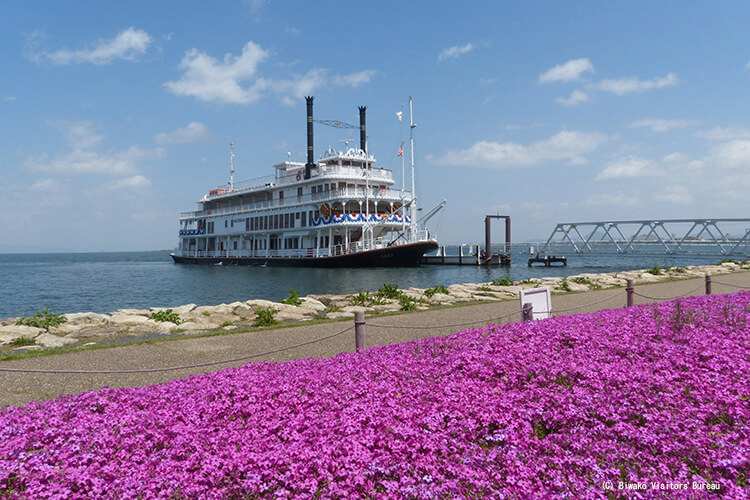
338,219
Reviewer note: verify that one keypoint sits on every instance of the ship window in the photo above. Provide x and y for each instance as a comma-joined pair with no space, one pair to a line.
286,220
327,188
296,215
281,195
247,224
235,245
232,223
304,219
299,192
225,223
314,189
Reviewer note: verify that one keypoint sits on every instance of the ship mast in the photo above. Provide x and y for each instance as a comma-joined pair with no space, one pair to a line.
231,166
413,210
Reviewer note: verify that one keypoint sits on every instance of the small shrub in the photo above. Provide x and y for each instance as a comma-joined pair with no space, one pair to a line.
365,299
389,292
42,319
585,281
504,281
165,316
226,323
564,285
407,303
436,289
206,313
484,289
265,317
656,270
22,341
293,299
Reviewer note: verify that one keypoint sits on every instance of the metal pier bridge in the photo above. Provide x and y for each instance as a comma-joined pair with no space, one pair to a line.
676,237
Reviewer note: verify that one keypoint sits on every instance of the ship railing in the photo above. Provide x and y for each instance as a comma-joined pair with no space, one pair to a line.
375,194
379,174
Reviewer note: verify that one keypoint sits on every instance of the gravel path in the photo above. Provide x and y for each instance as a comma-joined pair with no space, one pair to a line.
20,388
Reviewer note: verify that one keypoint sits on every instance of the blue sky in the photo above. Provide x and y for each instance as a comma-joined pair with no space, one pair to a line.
116,116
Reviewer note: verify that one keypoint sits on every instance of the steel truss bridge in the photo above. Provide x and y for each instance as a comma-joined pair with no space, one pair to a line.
676,237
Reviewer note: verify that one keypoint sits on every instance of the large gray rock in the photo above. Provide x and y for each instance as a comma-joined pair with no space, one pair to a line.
49,340
128,319
10,332
179,310
97,332
86,318
314,304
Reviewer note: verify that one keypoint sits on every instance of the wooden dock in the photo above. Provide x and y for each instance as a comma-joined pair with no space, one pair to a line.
547,260
464,255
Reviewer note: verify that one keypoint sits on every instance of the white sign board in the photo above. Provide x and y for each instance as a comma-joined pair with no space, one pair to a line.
540,300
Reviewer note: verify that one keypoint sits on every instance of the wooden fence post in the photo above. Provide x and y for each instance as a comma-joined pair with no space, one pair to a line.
359,330
629,289
708,284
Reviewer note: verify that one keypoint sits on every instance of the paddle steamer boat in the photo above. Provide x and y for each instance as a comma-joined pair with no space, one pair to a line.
340,211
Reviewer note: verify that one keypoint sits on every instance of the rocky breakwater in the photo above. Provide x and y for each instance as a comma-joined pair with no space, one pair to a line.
123,325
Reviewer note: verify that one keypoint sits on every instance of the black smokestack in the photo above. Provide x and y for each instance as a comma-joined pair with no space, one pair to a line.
362,132
310,155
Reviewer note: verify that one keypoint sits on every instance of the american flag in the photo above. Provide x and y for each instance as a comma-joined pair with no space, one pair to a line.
400,151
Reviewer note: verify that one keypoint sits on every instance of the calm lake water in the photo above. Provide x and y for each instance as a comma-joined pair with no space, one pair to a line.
104,282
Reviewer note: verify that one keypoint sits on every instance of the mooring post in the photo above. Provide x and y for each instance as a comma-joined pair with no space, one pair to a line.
708,284
359,330
629,289
527,312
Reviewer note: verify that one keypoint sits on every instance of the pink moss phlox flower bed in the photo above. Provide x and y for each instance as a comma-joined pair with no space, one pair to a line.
553,408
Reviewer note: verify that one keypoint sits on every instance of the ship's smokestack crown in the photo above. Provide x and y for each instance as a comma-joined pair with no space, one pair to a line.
310,153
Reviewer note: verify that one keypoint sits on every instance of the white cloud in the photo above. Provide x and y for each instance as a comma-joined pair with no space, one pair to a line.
624,86
614,199
732,154
235,80
78,134
568,72
207,79
565,145
9,98
44,185
134,182
291,30
660,124
724,134
292,91
576,97
628,168
354,80
128,45
193,132
84,158
455,51
674,194
90,162
675,157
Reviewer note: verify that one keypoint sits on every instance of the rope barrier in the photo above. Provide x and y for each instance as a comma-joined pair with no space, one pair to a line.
731,285
173,368
669,298
444,326
558,311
